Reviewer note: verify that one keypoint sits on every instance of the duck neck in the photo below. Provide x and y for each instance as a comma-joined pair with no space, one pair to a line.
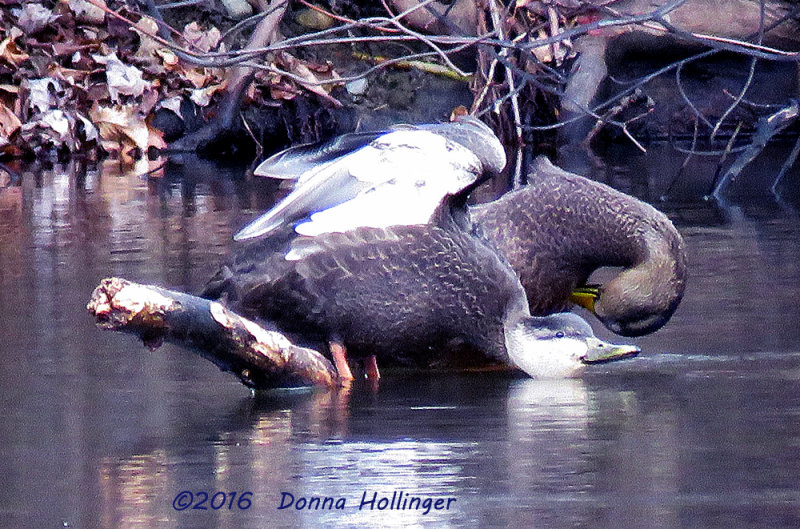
643,296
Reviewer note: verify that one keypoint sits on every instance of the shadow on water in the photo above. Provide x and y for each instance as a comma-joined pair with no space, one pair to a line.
701,430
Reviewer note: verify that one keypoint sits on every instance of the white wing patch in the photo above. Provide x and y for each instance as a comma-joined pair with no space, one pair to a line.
410,172
400,178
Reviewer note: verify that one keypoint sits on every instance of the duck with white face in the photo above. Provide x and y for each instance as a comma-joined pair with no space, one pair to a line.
405,294
560,345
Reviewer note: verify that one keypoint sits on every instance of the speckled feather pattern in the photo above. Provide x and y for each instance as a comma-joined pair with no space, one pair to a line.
396,292
561,227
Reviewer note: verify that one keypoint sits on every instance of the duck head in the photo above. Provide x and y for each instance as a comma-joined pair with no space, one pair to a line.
629,307
641,299
559,346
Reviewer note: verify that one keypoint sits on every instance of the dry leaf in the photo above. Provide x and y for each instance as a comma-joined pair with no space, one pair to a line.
172,104
156,139
149,101
58,123
544,53
61,49
10,52
9,88
69,75
302,70
9,123
202,96
168,58
122,79
123,126
120,124
199,77
282,90
90,132
33,18
201,40
41,93
86,12
148,46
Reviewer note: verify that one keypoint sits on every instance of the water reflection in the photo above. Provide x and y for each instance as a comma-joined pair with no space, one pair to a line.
701,430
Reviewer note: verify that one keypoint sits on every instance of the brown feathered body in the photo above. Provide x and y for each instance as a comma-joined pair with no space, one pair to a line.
561,227
402,293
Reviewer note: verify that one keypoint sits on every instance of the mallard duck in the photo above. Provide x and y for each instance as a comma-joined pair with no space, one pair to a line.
406,293
561,227
554,232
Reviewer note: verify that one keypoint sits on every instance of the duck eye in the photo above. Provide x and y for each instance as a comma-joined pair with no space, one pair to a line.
559,334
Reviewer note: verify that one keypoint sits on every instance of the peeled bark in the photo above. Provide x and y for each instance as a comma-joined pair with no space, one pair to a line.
260,358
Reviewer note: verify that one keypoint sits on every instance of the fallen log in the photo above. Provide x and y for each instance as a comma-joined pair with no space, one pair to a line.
260,358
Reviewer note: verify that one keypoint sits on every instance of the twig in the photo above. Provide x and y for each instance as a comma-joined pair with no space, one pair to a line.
787,164
259,146
736,102
753,104
725,154
182,3
685,163
396,22
767,129
699,115
242,25
427,67
751,73
498,27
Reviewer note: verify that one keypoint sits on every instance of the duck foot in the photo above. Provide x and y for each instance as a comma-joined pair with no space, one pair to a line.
371,367
339,354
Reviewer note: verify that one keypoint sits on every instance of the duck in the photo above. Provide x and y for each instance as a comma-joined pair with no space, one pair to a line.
405,294
561,227
555,231
374,179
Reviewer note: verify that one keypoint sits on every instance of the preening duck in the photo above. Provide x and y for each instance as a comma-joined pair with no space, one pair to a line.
406,294
554,232
561,227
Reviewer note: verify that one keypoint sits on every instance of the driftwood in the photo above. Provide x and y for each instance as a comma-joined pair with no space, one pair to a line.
260,358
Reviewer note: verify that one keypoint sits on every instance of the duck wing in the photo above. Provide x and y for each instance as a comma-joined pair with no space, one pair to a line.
294,162
301,160
398,178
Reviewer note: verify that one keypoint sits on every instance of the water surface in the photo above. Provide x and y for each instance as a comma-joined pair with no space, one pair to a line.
702,430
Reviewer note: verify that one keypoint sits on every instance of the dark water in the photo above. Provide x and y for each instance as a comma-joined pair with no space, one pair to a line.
702,430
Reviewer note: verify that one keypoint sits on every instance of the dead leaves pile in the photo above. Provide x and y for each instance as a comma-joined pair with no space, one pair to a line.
63,88
76,79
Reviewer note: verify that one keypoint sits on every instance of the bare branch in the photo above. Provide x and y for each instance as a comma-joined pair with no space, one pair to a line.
260,358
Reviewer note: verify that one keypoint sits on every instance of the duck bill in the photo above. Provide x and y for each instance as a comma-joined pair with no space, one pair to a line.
586,297
600,352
